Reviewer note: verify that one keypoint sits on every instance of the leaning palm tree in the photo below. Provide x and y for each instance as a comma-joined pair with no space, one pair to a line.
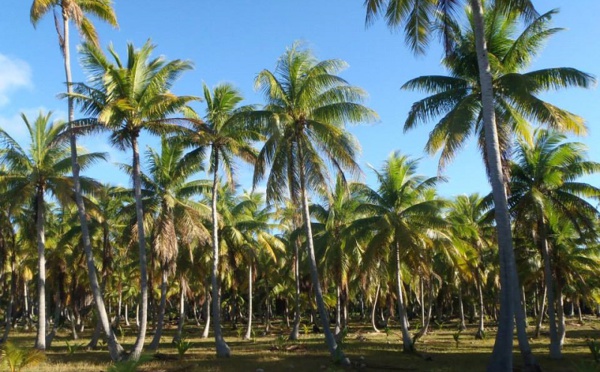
224,132
419,19
32,175
75,11
308,106
126,97
545,182
402,218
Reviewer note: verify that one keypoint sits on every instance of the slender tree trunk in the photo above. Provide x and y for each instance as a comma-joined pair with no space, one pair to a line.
161,310
181,321
126,313
41,247
579,315
501,359
139,210
520,321
221,346
114,348
540,318
407,342
207,315
481,329
248,334
294,334
334,350
373,311
562,330
422,299
423,331
555,352
13,291
338,312
462,325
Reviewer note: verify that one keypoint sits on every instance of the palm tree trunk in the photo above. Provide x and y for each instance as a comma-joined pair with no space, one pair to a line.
542,310
139,210
248,334
373,311
462,326
41,247
562,330
481,329
207,314
114,348
407,342
13,291
338,312
181,321
334,350
294,334
222,347
161,311
555,352
501,359
521,323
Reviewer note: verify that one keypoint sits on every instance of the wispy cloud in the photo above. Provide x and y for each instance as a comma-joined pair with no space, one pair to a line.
14,74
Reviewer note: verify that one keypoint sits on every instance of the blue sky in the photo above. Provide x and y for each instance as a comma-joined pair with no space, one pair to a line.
231,41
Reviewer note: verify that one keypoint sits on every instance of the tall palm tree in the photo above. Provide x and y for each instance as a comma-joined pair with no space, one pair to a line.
126,97
33,174
176,217
456,98
545,181
224,133
308,106
418,19
76,11
403,215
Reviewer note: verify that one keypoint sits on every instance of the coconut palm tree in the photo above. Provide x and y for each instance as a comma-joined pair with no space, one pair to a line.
403,215
308,105
335,244
31,175
76,11
176,217
127,97
224,133
545,181
418,19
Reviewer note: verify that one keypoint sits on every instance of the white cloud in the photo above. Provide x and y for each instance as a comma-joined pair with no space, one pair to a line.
14,74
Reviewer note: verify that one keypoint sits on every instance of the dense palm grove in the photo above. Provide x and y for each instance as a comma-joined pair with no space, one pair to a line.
187,244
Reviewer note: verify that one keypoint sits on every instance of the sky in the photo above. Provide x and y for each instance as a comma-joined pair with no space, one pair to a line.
233,40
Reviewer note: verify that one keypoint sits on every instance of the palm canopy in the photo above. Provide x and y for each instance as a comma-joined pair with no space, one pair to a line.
457,98
421,19
402,210
223,130
43,167
76,11
308,106
128,96
546,180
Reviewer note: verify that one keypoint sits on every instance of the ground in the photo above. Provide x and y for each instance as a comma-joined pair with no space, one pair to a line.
367,350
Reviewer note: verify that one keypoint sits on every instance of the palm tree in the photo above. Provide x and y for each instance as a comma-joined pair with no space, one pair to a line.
127,97
307,108
544,181
403,215
338,248
472,238
31,175
456,98
175,215
225,133
418,18
75,10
